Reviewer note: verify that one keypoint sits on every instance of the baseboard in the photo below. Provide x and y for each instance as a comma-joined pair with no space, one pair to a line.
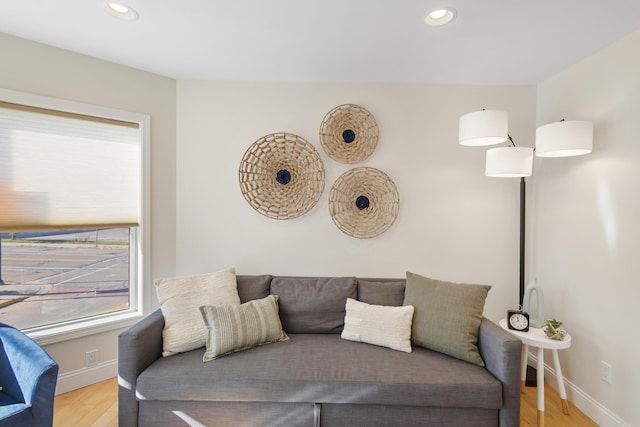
73,380
581,400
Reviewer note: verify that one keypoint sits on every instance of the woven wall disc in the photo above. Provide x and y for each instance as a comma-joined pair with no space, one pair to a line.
364,202
349,133
281,176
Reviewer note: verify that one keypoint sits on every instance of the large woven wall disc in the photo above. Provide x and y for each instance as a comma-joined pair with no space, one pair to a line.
364,202
349,133
281,176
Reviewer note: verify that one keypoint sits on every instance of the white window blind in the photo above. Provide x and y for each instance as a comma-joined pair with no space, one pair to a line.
64,170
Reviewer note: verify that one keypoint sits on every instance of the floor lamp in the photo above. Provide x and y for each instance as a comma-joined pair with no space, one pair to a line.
559,139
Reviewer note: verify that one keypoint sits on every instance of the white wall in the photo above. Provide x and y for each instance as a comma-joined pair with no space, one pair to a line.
44,70
587,237
454,223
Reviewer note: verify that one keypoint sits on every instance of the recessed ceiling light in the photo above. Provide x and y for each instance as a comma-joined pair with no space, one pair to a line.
121,11
440,17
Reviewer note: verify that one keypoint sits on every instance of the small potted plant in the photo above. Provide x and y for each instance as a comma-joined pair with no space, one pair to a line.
554,329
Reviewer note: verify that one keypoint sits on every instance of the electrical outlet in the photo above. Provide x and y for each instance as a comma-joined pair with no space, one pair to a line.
606,372
91,358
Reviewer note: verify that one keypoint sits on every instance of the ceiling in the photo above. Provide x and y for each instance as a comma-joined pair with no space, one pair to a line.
489,42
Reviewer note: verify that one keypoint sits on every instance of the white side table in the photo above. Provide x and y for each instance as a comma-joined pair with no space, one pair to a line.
536,337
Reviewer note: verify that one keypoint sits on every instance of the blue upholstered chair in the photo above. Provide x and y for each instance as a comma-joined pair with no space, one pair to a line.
28,378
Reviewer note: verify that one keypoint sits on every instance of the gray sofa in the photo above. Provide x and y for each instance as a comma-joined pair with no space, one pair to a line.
316,378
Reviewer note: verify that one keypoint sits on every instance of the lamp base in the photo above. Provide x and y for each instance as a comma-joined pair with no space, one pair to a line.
531,378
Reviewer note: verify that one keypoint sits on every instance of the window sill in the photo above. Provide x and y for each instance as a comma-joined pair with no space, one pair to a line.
56,334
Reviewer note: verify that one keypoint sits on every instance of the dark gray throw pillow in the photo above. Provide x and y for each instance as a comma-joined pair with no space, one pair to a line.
313,305
253,287
379,292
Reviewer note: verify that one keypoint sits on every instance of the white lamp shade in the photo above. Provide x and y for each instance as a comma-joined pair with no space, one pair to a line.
486,127
563,139
509,162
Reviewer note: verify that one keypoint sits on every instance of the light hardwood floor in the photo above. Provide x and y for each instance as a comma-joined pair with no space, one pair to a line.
92,406
97,406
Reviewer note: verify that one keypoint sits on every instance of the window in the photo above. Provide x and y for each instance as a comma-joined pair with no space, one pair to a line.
73,181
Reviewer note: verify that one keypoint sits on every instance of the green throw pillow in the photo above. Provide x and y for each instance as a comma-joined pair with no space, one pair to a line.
447,316
234,328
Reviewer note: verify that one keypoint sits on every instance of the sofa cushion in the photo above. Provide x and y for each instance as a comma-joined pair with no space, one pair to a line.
323,368
313,305
379,325
234,328
253,287
381,292
180,298
447,316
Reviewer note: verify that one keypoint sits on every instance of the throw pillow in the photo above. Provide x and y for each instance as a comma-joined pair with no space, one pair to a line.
253,287
234,328
180,298
313,305
379,325
447,316
381,292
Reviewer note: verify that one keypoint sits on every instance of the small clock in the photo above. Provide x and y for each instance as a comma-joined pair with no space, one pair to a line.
518,320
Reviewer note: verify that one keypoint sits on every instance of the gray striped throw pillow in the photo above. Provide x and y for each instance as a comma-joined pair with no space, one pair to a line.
234,328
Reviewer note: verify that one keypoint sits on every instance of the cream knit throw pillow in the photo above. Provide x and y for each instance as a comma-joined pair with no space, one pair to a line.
380,325
180,299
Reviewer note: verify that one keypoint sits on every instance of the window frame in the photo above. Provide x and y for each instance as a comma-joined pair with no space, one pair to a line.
139,245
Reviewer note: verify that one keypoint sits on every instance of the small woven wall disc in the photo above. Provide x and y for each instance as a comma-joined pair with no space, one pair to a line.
349,133
364,202
281,176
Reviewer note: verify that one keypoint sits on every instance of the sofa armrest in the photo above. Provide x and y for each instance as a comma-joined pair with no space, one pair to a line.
138,347
501,352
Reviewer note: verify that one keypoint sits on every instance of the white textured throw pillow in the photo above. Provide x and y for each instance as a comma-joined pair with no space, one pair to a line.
180,299
380,325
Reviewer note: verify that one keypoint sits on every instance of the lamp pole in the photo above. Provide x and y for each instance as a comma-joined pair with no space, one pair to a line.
531,375
523,186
